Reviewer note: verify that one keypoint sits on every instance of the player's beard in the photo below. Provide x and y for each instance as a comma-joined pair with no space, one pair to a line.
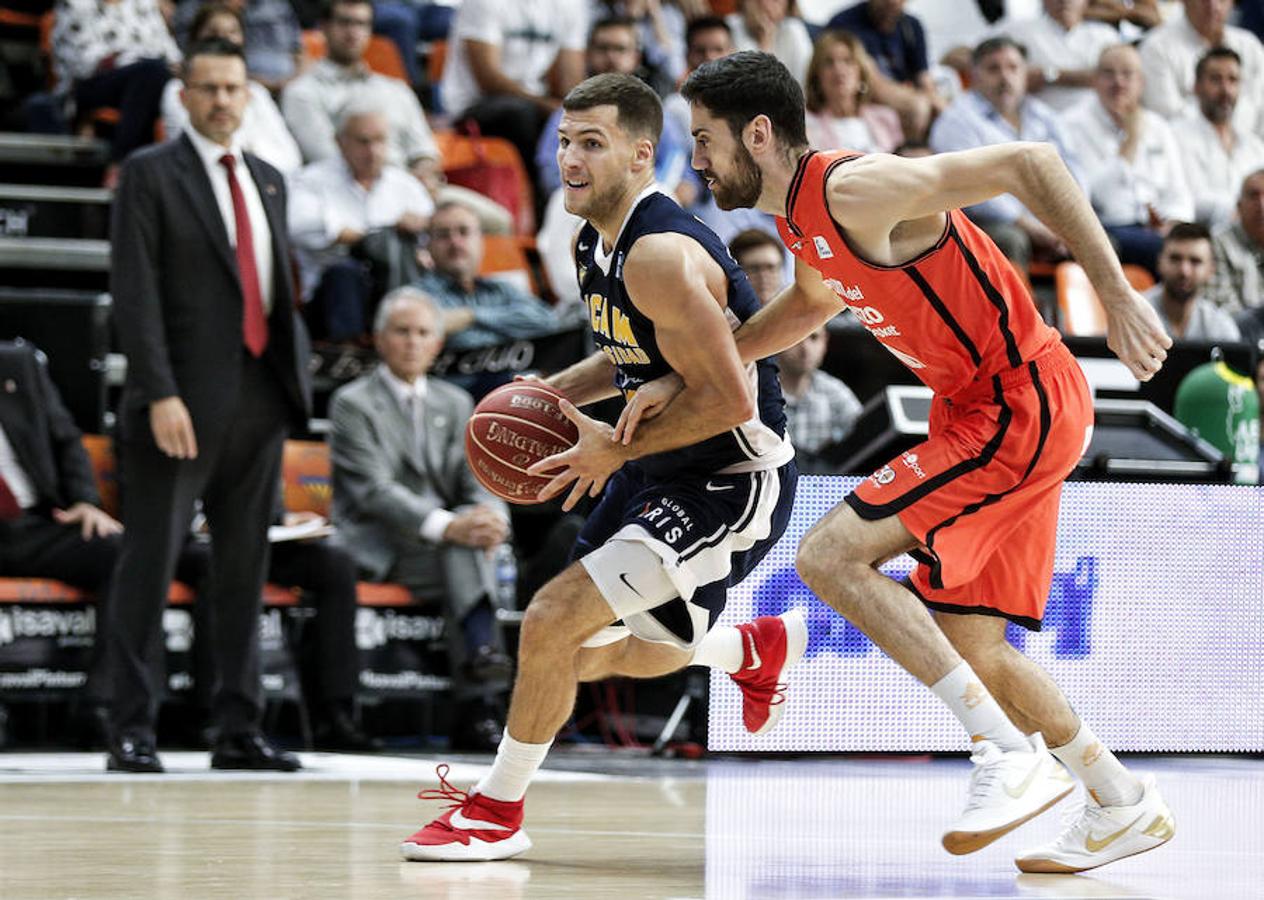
742,189
599,206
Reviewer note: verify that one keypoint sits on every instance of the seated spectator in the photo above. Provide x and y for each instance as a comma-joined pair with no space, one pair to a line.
353,218
706,38
1185,267
1217,153
1131,161
820,410
896,42
997,110
1062,51
51,521
271,36
773,26
476,311
115,53
838,95
762,257
1170,53
1239,250
1129,17
408,508
263,131
661,28
612,47
329,664
509,65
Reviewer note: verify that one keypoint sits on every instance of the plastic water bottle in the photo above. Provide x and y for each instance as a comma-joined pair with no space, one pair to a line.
506,566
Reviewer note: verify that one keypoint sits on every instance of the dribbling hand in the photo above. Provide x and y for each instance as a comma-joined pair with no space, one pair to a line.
586,466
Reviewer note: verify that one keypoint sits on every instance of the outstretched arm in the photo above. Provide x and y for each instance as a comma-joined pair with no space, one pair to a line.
871,196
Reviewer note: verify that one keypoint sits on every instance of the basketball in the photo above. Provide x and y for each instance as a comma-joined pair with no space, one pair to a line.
512,428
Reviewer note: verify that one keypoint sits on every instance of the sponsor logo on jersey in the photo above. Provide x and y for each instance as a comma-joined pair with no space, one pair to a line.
822,247
910,460
885,475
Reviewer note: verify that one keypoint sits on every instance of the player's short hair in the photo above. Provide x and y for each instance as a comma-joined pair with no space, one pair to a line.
743,85
212,47
993,44
640,111
1187,231
398,297
1213,54
751,239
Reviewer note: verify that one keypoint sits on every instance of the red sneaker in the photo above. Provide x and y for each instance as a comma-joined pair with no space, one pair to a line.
770,646
474,828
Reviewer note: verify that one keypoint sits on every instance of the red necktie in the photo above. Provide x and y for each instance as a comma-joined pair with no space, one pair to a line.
9,506
254,325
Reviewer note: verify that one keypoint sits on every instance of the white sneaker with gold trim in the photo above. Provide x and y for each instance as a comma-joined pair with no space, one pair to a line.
1007,787
1103,834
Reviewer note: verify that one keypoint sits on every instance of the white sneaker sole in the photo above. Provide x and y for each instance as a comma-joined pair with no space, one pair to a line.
959,843
474,851
796,645
1043,865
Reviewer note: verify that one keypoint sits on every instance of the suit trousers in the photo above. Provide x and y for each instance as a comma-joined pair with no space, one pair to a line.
235,473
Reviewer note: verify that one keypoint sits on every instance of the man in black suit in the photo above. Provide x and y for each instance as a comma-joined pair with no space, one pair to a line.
217,376
51,523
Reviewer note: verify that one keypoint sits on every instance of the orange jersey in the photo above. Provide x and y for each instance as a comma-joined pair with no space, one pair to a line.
956,315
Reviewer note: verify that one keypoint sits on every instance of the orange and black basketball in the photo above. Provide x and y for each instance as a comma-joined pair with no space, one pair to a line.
513,427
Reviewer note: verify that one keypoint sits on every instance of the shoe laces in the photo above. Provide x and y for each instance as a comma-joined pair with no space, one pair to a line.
772,696
454,796
989,761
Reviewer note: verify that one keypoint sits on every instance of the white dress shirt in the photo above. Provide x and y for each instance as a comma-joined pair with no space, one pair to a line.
1169,55
1122,192
19,483
210,152
1050,46
1214,175
263,132
325,199
411,398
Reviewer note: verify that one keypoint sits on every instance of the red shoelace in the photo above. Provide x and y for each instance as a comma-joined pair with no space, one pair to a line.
454,796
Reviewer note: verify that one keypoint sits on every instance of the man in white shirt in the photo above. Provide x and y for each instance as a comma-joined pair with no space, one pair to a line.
1170,53
1062,51
1131,160
510,64
335,204
1239,251
1185,267
1218,154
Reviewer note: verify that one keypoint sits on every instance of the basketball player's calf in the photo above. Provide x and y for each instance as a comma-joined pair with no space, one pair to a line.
1123,814
837,560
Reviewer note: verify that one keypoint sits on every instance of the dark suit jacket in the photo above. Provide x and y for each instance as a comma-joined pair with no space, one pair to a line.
41,431
177,295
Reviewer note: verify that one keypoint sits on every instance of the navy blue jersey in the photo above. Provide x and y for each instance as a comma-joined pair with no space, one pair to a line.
626,336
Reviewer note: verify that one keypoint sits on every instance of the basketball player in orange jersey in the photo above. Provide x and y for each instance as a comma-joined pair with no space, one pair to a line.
976,504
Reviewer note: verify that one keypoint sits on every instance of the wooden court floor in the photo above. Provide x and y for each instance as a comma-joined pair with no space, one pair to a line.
724,830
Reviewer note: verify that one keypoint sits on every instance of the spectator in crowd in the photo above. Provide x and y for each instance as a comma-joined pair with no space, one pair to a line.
773,26
1239,250
355,220
1132,164
509,65
217,375
1185,267
408,507
820,409
706,38
896,42
476,312
330,664
263,130
1062,51
1125,15
661,27
115,53
762,257
613,47
1217,153
271,36
51,521
997,110
838,94
1170,54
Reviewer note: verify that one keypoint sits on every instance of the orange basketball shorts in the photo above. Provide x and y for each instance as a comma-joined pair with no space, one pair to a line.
982,492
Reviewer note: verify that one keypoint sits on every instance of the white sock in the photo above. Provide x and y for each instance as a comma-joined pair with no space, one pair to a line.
1101,771
977,710
512,770
720,648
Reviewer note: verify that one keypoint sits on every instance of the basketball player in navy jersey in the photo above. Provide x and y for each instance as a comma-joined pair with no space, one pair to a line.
686,511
